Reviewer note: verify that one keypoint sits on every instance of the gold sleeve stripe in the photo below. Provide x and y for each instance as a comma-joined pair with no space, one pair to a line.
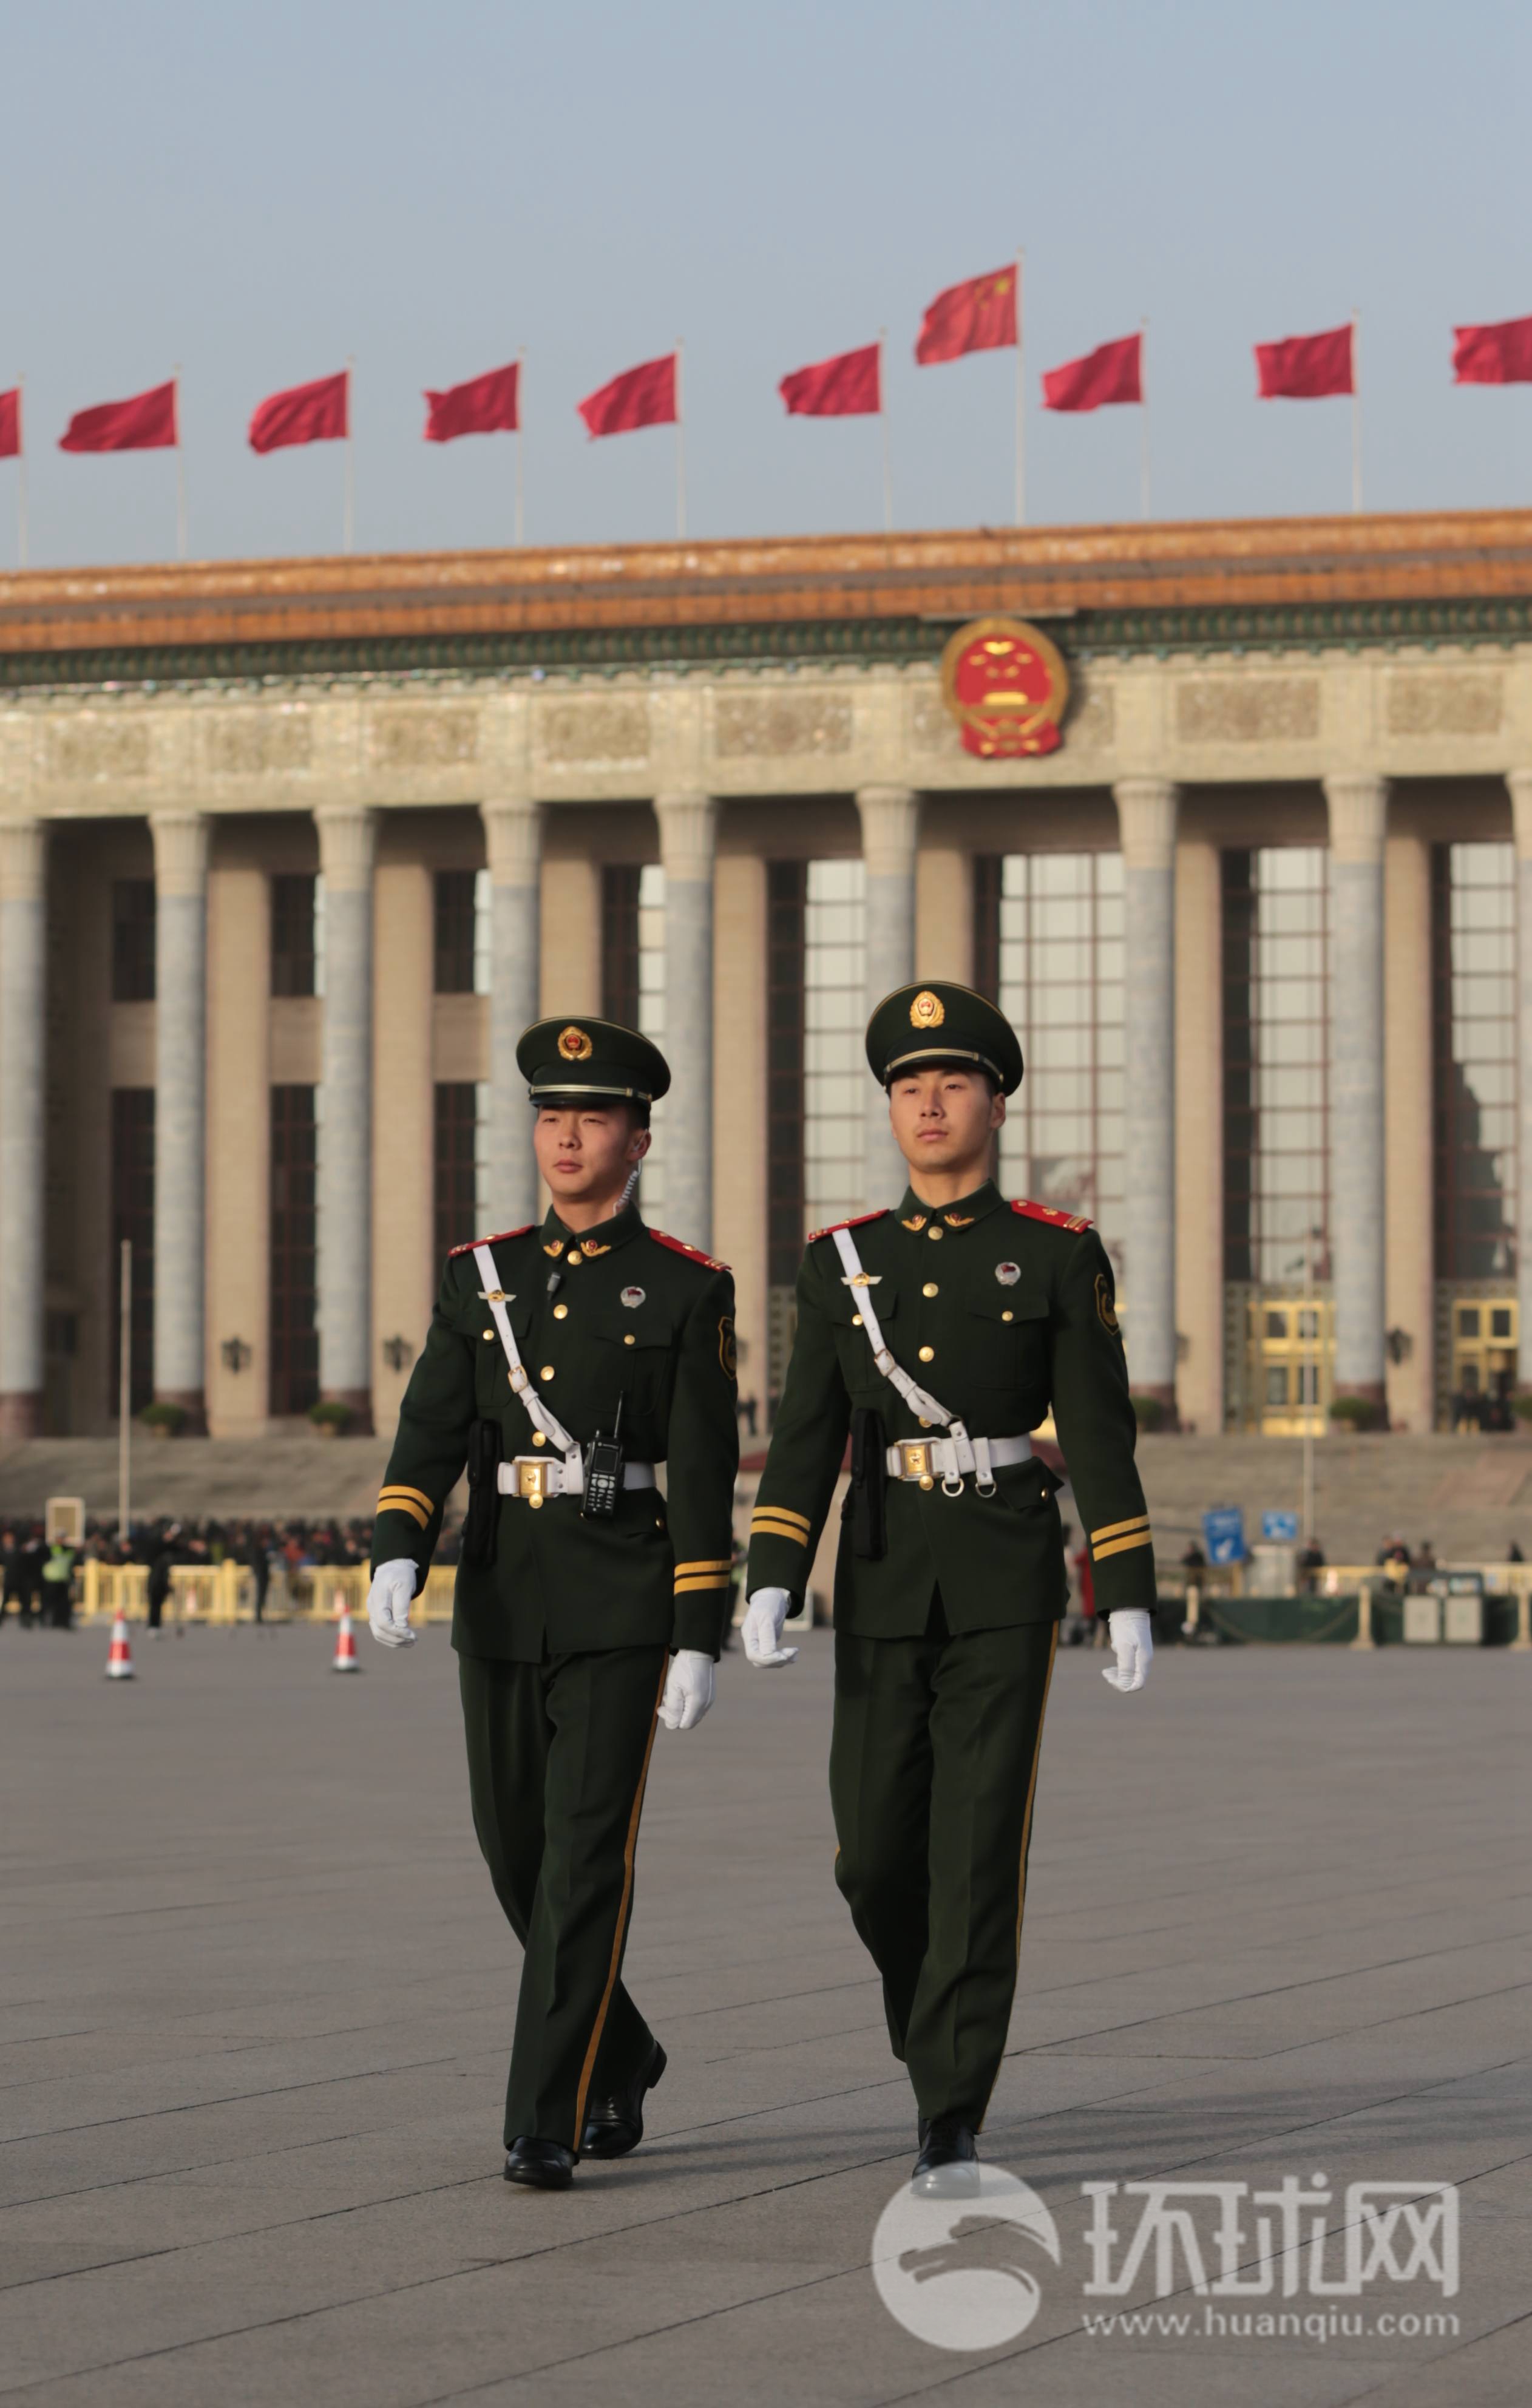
708,1580
711,1564
1116,1529
399,1488
761,1529
387,1504
783,1513
1121,1546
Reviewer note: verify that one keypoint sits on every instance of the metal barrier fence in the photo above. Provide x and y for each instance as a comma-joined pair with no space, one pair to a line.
224,1593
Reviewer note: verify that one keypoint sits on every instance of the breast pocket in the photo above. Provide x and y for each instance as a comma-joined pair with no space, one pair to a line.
634,1353
1008,1339
477,1326
858,1365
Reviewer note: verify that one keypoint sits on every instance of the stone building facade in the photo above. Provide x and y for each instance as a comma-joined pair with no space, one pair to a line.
290,853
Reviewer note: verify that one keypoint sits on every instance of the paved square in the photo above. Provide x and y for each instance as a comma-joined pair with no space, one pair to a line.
257,1999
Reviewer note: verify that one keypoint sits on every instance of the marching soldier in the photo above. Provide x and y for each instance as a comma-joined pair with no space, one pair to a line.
938,1334
563,1364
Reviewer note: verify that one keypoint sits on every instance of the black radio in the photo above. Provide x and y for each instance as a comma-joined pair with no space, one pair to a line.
604,1473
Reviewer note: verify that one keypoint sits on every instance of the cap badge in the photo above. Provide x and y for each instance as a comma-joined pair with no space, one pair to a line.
632,1298
928,1010
1008,1273
574,1045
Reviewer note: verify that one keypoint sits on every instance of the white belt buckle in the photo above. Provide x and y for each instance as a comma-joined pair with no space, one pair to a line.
533,1480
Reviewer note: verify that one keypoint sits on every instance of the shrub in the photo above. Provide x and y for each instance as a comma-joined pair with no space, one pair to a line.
1150,1412
1524,1405
331,1415
1359,1412
160,1415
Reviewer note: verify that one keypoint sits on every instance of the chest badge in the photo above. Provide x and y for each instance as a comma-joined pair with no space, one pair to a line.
1008,1273
862,1278
632,1298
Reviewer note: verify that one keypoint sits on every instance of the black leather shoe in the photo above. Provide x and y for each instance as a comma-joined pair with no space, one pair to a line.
541,2165
947,2164
615,2125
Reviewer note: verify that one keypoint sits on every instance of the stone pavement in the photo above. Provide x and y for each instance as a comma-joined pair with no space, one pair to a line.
256,2000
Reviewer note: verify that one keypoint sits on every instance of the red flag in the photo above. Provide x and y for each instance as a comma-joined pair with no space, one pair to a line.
847,386
305,413
10,423
641,397
1305,368
486,405
145,424
1113,372
1499,354
977,316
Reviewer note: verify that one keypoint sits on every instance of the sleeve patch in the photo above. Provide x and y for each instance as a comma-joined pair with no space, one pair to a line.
729,1350
1104,1305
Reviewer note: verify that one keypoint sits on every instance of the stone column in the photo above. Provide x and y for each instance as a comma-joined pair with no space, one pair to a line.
1358,804
181,1110
688,836
514,845
1520,783
347,838
23,952
1146,816
890,821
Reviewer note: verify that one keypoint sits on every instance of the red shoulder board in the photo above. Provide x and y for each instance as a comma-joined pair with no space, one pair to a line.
498,1240
860,1222
1050,1212
692,1254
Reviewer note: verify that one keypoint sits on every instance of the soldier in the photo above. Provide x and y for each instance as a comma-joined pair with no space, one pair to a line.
563,1364
938,1334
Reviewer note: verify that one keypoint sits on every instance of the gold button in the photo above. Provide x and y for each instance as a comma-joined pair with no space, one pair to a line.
926,1481
561,1312
856,1320
537,1438
488,1333
928,1353
933,1231
535,1500
925,1425
547,1371
1008,1316
629,1339
575,1255
930,1288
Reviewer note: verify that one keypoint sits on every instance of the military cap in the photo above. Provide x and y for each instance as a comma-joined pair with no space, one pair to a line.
917,1027
590,1061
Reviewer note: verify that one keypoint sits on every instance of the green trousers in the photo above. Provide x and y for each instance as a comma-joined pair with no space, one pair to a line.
933,1773
558,1754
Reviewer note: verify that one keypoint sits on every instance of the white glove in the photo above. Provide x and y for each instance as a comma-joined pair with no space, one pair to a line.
1133,1644
388,1602
762,1627
688,1689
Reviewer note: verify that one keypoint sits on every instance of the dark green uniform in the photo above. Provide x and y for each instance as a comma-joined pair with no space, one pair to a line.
563,1637
944,1643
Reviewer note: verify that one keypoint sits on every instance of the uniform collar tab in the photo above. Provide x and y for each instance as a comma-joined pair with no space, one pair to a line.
961,1216
599,1240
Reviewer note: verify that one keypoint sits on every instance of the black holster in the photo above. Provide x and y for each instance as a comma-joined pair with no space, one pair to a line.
479,1523
868,1498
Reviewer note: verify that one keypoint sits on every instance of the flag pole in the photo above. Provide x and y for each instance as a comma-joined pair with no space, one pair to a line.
882,421
520,503
1143,420
125,1387
180,474
1356,409
349,513
1020,398
681,453
21,472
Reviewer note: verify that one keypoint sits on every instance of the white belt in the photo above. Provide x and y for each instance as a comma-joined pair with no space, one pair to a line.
534,1477
927,1460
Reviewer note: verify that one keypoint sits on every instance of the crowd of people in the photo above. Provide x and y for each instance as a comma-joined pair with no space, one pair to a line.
37,1575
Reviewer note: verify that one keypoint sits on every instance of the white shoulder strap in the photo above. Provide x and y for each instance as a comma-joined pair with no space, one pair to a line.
923,1405
542,1418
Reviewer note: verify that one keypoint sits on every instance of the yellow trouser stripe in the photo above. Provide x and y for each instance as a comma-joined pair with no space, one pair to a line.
707,1564
1121,1546
760,1529
403,1505
621,1933
784,1514
1116,1529
707,1580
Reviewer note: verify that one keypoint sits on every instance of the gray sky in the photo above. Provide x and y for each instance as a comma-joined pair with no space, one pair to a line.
257,192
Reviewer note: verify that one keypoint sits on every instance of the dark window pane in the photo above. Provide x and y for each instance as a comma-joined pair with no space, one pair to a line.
292,935
787,895
295,1337
454,931
619,941
133,941
132,1218
1473,1033
988,869
456,1129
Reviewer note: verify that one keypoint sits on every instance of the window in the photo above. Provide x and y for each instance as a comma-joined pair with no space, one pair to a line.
651,1022
1473,931
456,1164
295,1337
619,942
292,935
1047,950
133,941
456,931
787,895
835,1064
1276,1054
132,1218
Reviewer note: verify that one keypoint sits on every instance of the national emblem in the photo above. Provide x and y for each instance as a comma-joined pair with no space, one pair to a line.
928,1010
574,1045
1007,687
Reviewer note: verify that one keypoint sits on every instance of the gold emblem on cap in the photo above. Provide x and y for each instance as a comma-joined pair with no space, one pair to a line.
574,1045
928,1010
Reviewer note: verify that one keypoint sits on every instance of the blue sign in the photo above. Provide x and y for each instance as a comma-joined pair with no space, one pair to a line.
1282,1528
1224,1535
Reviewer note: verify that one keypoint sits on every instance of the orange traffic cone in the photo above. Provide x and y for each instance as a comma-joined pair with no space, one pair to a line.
344,1658
120,1654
